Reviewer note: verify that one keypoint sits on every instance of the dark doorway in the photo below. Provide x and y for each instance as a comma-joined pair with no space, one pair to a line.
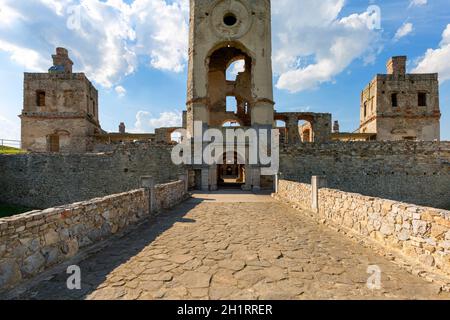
230,175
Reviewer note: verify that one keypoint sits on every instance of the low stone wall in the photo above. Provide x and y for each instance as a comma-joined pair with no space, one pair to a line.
416,232
35,241
48,180
169,194
395,170
298,193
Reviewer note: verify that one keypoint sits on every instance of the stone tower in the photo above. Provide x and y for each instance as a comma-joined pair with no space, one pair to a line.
221,33
401,106
225,34
60,111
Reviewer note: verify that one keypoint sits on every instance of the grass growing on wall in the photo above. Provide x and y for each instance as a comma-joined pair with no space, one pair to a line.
7,210
10,150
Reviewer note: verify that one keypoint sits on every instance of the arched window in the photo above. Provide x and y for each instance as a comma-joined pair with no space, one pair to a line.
281,124
232,104
175,137
305,131
234,69
231,124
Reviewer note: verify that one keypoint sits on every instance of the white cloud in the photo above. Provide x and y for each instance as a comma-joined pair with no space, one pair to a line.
8,15
56,5
121,91
162,32
437,60
108,38
145,122
105,38
9,129
404,30
28,58
418,3
313,45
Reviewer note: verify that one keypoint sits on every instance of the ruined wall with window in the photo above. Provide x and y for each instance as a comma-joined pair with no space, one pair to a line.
304,127
60,109
401,106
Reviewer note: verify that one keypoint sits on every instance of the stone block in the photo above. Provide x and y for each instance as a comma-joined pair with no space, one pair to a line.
9,273
33,264
438,231
419,227
387,229
51,237
427,260
403,235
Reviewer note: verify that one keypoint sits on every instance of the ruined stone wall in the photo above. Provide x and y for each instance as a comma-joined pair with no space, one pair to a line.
35,241
32,242
47,180
169,194
409,119
413,172
68,109
64,93
75,134
416,232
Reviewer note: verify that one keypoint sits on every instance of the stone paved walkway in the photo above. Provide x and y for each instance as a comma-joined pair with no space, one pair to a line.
235,247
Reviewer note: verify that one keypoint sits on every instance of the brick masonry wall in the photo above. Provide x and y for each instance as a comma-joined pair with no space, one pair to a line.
420,233
413,172
35,241
48,180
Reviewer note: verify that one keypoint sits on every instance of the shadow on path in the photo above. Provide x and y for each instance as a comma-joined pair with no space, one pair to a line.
118,250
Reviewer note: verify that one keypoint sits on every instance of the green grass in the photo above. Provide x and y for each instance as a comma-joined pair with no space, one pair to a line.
10,150
7,210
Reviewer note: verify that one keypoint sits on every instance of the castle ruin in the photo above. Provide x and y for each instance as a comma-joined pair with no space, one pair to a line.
89,185
401,106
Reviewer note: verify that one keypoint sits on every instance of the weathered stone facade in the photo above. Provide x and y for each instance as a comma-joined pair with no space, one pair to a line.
420,233
393,170
35,241
47,180
316,129
400,106
396,170
222,32
60,111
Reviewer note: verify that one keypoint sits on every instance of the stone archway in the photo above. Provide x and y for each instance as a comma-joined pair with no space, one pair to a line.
229,98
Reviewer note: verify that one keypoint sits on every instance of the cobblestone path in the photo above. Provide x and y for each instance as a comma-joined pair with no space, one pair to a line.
226,247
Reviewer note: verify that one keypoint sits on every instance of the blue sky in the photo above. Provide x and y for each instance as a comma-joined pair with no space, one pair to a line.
135,53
